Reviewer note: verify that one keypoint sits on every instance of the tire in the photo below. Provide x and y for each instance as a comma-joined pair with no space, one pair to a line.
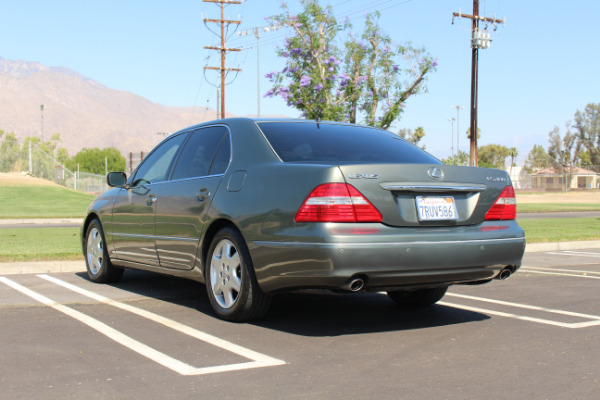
231,285
418,298
98,265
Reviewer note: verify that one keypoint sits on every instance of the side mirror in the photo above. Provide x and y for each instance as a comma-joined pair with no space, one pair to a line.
116,179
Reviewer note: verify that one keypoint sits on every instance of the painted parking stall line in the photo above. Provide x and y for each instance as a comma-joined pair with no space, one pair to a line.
258,360
575,253
562,272
589,320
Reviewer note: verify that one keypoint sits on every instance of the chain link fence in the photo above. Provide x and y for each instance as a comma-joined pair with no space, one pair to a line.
35,161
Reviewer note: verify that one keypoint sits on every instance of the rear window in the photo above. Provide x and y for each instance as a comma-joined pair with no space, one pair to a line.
331,143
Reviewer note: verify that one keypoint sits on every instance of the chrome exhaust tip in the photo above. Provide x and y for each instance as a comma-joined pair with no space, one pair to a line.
354,285
504,274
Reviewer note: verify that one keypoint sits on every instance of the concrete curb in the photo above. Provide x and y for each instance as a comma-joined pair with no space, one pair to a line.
43,267
41,221
558,246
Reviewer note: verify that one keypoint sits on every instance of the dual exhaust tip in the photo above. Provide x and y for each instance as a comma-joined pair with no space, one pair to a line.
357,284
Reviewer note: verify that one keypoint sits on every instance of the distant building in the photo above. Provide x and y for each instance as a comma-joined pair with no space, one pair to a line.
551,180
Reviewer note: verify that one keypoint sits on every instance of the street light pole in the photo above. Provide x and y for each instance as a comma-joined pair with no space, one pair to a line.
458,108
257,35
452,137
42,110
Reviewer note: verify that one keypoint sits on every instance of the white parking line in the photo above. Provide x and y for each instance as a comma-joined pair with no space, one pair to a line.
258,360
575,253
565,270
550,271
594,320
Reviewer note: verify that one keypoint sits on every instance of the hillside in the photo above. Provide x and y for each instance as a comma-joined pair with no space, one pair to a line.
84,112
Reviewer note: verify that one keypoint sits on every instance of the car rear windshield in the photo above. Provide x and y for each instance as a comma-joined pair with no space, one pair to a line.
336,143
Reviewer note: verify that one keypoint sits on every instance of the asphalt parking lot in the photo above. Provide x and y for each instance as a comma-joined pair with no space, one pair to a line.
533,336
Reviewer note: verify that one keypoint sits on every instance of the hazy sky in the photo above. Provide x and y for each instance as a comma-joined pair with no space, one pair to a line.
541,67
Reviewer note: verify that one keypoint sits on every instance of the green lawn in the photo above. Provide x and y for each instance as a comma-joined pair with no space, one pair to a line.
42,202
553,207
560,229
39,244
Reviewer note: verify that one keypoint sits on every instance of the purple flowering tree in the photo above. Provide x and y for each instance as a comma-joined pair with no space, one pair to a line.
367,81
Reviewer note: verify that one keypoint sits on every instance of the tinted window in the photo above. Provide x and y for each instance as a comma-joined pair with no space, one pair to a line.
330,143
198,154
221,161
155,166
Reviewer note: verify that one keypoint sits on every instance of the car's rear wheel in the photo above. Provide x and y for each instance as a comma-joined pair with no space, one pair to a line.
418,298
99,267
232,287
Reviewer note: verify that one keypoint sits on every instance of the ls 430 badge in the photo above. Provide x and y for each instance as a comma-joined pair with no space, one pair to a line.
363,176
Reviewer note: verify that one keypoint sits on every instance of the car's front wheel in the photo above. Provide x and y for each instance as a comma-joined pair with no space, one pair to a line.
418,298
99,267
230,281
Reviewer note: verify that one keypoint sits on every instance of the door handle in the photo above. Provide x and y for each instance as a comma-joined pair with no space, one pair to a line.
151,199
204,194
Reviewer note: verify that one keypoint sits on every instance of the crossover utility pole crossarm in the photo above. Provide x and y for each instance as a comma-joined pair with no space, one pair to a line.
480,18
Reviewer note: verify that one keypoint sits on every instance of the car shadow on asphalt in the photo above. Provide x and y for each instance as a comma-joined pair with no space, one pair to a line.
325,313
313,313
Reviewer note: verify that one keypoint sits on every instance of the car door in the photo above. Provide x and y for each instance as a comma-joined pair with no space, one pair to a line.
184,200
133,228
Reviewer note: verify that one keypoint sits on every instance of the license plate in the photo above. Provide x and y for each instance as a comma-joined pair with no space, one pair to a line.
436,208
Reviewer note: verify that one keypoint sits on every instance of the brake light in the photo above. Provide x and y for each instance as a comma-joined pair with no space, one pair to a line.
337,202
505,206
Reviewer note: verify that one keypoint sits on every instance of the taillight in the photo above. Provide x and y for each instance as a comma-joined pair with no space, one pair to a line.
505,206
337,202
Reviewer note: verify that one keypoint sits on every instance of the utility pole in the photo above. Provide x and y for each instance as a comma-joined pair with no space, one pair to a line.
479,40
256,32
222,48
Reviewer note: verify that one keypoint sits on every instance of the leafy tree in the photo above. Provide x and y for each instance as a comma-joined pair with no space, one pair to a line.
587,126
462,158
93,160
563,151
537,160
494,155
9,151
413,137
324,82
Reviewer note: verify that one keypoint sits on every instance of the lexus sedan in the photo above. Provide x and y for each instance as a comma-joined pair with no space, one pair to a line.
253,207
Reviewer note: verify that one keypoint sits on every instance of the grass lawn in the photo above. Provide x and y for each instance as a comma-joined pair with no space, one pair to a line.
560,229
42,202
553,207
39,244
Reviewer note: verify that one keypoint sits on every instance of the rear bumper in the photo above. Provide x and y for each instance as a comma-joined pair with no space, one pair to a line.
388,257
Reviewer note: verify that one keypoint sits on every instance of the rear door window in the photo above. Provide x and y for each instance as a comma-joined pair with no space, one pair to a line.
337,143
199,152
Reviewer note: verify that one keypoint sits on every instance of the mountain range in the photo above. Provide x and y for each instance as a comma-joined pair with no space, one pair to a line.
84,112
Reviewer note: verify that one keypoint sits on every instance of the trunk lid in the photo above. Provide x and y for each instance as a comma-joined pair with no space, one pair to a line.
426,194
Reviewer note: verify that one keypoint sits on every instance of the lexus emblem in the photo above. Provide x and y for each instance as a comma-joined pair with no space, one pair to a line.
435,173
